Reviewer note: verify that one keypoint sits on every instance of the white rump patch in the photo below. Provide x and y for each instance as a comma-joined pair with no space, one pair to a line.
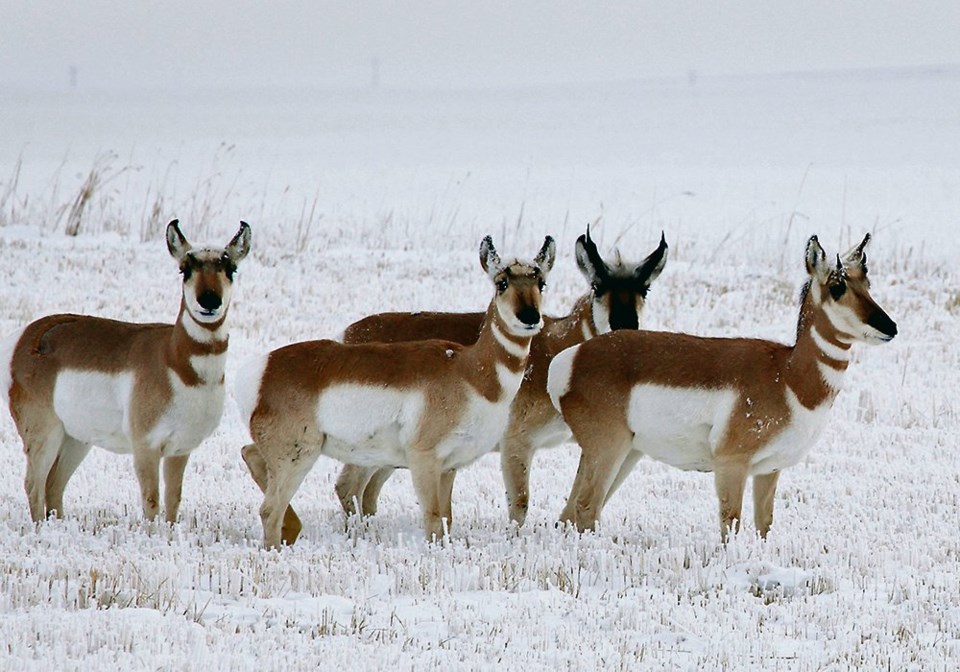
94,407
558,375
246,387
7,346
680,426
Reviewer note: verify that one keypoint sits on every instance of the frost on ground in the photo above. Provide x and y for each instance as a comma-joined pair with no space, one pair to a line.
859,570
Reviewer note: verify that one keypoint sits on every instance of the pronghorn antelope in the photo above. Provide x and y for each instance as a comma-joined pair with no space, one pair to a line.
155,390
432,406
738,407
617,294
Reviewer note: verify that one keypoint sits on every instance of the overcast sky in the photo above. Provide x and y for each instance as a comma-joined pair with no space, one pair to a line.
431,43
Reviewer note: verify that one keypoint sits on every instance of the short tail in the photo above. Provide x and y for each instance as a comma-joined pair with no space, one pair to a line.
7,346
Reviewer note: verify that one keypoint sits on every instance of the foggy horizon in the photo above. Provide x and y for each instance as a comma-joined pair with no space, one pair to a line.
101,45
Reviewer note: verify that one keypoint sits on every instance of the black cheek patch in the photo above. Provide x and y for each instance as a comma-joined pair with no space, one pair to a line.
838,290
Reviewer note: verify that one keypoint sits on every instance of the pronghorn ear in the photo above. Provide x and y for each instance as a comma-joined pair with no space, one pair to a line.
816,258
240,245
489,259
651,267
547,255
589,262
176,242
855,260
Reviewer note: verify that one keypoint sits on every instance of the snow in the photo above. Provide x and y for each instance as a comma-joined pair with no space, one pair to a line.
368,202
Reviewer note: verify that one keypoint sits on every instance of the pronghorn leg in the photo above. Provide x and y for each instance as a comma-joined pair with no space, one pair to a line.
764,490
291,527
283,479
146,464
371,493
600,462
515,458
730,477
71,455
425,471
173,468
357,488
446,496
628,464
569,513
42,445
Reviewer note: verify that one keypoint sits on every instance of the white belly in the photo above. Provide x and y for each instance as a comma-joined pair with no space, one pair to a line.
681,427
94,407
367,425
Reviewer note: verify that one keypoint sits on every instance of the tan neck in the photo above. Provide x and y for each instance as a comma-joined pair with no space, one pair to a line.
819,359
495,348
575,328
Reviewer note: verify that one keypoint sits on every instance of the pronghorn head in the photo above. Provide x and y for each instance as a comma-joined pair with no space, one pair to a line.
842,290
207,272
619,289
520,286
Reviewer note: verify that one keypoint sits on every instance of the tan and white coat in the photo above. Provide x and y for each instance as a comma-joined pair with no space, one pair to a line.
154,390
431,406
617,295
735,406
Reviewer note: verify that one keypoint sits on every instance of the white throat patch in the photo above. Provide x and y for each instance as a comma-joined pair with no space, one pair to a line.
601,316
832,351
515,349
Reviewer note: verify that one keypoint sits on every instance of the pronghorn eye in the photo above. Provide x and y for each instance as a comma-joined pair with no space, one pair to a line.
542,284
838,290
502,285
185,271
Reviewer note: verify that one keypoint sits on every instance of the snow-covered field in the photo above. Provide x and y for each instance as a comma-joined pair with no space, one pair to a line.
368,201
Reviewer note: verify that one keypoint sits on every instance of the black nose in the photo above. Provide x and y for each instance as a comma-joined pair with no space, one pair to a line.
529,315
880,321
209,300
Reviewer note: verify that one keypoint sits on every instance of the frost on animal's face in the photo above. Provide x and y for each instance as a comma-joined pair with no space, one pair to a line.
844,289
208,273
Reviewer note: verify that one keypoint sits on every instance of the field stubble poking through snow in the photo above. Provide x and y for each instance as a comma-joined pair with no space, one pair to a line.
860,568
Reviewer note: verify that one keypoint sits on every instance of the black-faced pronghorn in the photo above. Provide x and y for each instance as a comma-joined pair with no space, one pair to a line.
431,406
738,407
155,390
614,301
